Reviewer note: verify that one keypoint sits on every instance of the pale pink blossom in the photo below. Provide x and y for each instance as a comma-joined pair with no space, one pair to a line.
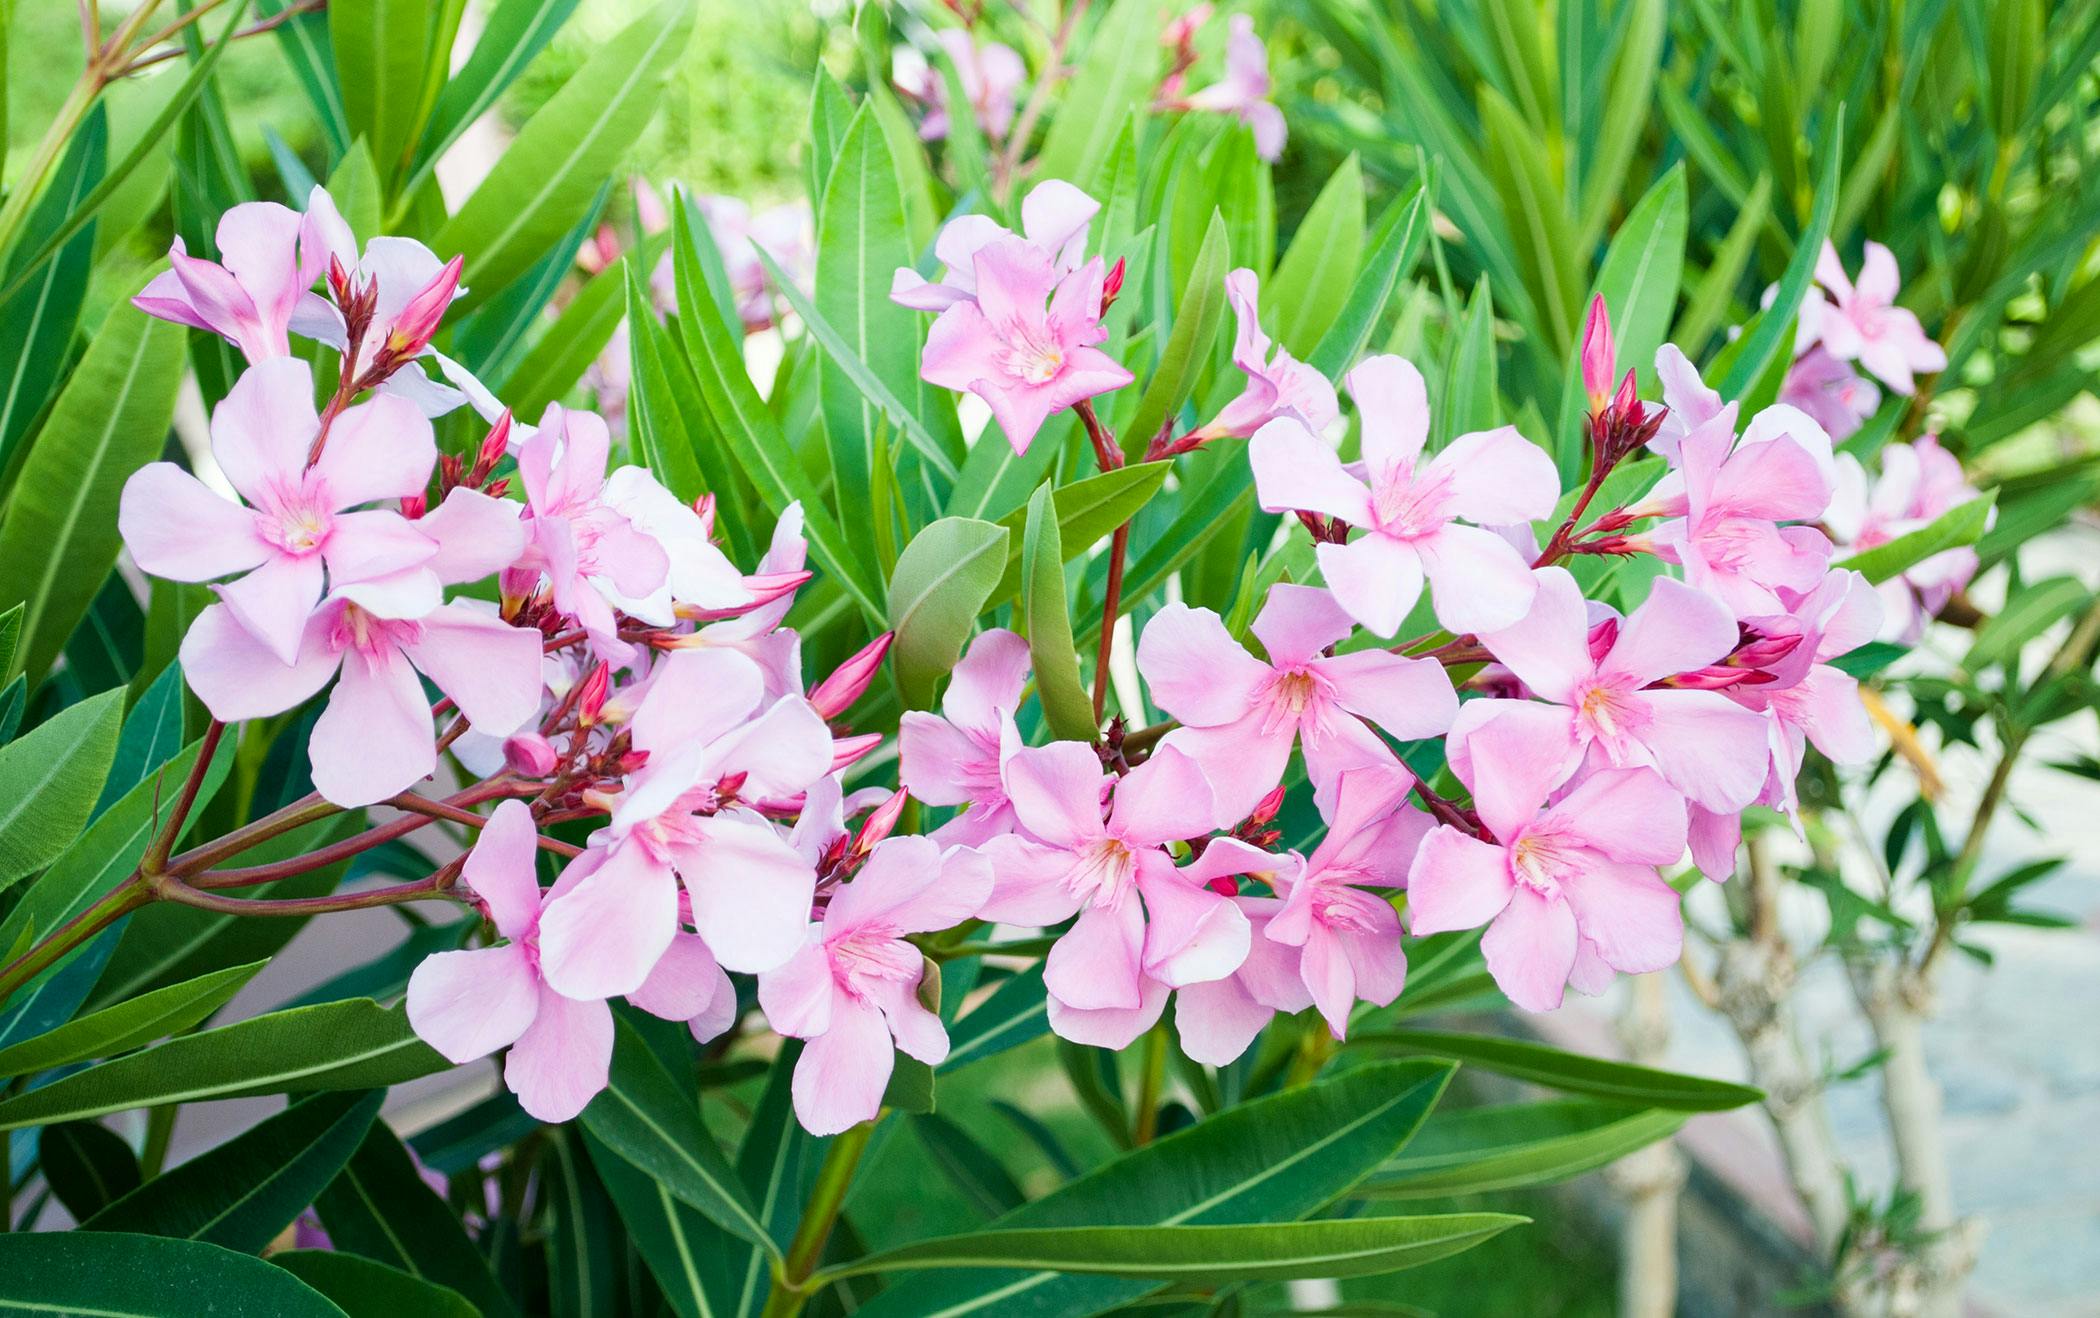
1862,322
1409,508
1278,385
1244,91
411,289
990,74
1610,699
469,1004
1567,888
955,757
298,534
1918,482
1054,220
270,256
1240,716
784,232
1829,392
852,989
1072,861
755,632
1026,362
1690,403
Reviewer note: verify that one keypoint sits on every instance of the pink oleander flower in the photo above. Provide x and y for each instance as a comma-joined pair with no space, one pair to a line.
411,290
1689,402
1071,861
469,1004
590,552
1918,482
990,74
755,632
1278,386
698,579
1409,508
1025,362
1610,698
852,989
1244,93
955,757
1241,717
1054,220
1830,393
375,737
1567,887
297,533
713,739
1862,322
1727,498
270,256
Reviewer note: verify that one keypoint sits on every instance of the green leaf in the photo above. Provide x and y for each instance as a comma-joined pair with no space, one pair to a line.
1206,1254
10,632
60,537
1187,350
1087,512
95,1274
353,1044
50,779
247,1190
1479,1150
380,48
1469,401
1395,248
1116,77
910,1088
1276,1159
37,323
555,164
1312,282
151,736
379,1208
1710,298
1960,525
1627,113
554,363
684,1250
644,1118
127,1025
1545,236
516,32
943,579
87,1166
1051,654
1016,1013
365,1288
969,1166
1771,336
304,40
778,1163
1569,1072
656,421
585,1253
2028,612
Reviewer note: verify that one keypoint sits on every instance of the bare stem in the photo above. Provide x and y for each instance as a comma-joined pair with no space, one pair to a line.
819,1215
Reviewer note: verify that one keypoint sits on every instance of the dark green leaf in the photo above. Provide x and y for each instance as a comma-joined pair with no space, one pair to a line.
1067,707
95,1274
87,1166
364,1288
129,1024
37,322
1477,1150
1569,1072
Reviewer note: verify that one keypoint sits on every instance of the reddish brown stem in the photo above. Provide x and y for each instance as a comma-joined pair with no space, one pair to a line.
156,857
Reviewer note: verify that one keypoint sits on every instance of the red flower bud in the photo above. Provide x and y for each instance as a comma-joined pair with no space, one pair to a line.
493,446
414,506
418,322
1112,286
1597,354
1266,808
1225,886
590,702
878,824
849,681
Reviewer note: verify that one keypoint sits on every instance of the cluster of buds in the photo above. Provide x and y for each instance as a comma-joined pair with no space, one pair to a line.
1619,422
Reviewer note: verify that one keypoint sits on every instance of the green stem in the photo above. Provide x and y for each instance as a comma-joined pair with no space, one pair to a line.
1150,1082
120,901
834,1178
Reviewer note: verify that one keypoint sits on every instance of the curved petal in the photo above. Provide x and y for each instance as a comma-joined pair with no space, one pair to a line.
489,668
1056,791
276,601
374,739
1109,1027
1498,477
1675,630
910,887
237,677
476,536
603,936
1294,470
469,1004
178,529
683,982
1297,624
1707,746
1633,919
1241,761
1627,814
260,431
918,1031
1165,799
563,1060
1193,668
940,764
1393,405
696,697
1456,882
1530,949
1027,883
1409,698
1097,964
1477,579
382,448
797,994
1375,577
501,870
1193,934
374,544
842,1073
987,680
1215,1021
751,892
1549,646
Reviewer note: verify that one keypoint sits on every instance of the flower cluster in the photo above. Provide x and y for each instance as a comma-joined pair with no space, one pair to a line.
601,659
1845,323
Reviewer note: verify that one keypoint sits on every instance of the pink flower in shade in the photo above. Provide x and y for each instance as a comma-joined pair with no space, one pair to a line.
1830,393
1689,402
469,1004
588,550
1610,697
1072,861
990,75
1278,386
1054,220
1026,362
297,532
1569,891
853,987
270,257
712,739
411,287
1244,93
1727,498
1862,322
1409,508
955,757
1240,716
375,737
1918,482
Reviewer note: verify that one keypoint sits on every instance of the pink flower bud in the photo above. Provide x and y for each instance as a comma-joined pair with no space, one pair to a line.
414,506
1112,286
878,824
1597,354
835,694
418,321
590,703
1266,808
494,445
1603,637
704,509
765,588
1765,650
1225,885
846,751
530,755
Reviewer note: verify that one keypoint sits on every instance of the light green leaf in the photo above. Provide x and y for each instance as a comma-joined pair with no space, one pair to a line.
1087,512
1395,248
555,164
656,419
554,363
1545,236
128,1025
943,579
1627,113
1569,1072
1772,333
1066,705
2028,612
1187,350
96,1274
1710,298
516,31
1312,282
380,49
1479,1150
1469,401
50,779
60,536
1116,76
1960,525
352,1044
365,1288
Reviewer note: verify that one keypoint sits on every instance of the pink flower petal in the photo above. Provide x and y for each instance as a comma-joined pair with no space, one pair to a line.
374,739
1548,648
683,982
275,600
1193,668
1109,1027
1677,629
1097,962
1409,698
469,1004
1633,919
603,936
938,763
1027,883
842,1073
987,682
1297,624
489,668
1193,934
476,535
1241,761
177,529
1530,948
1456,882
563,1060
797,994
236,675
910,887
260,431
1393,405
751,893
1627,814
501,869
1707,746
918,1032
1056,791
1498,477
1375,577
1215,1021
781,752
1165,799
382,448
1478,580
1295,470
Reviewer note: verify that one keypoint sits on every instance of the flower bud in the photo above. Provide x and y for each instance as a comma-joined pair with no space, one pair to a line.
414,506
493,446
846,751
530,755
590,704
835,694
1597,355
765,588
1112,286
704,509
1225,885
1603,637
338,281
1266,808
878,824
418,322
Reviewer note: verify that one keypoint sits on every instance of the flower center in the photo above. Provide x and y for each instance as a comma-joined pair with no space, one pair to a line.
1406,505
1341,907
296,520
867,957
1296,698
1032,358
1538,861
368,634
1102,873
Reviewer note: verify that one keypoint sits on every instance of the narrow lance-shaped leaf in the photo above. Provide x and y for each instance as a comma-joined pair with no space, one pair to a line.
1115,77
128,1025
119,1275
1958,526
1772,333
1187,349
1051,652
1569,1072
943,579
367,1288
49,781
37,323
1480,1150
1395,248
